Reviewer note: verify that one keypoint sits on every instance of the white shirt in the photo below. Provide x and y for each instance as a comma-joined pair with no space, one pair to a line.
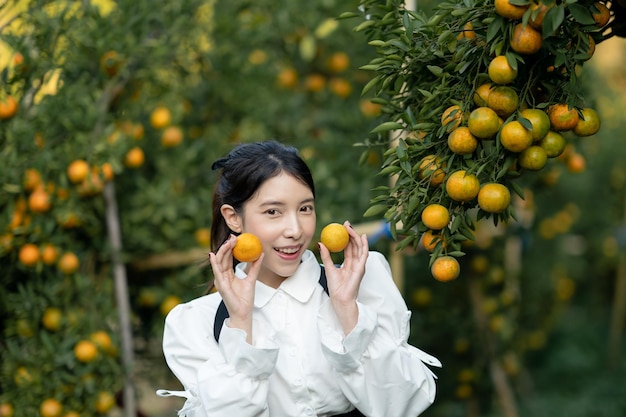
300,363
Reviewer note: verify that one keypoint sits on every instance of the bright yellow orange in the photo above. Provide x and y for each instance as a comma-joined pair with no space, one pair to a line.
50,407
553,143
525,40
77,171
435,216
431,166
315,82
49,254
503,100
562,118
287,78
340,87
8,108
68,263
467,32
335,237
39,201
538,12
203,236
500,71
85,351
368,108
430,239
461,141
462,186
32,179
134,158
172,136
102,340
338,62
29,254
247,248
508,10
160,118
105,401
51,319
589,124
445,268
452,117
494,197
6,410
483,122
515,137
576,163
539,121
107,171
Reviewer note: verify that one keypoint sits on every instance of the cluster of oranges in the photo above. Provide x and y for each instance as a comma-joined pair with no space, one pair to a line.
515,116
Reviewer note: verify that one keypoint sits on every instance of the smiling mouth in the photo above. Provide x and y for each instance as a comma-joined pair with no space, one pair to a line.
289,251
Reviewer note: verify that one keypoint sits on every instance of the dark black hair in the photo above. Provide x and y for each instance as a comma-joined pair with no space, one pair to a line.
243,171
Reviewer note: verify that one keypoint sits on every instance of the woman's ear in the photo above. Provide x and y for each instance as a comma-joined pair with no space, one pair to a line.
231,217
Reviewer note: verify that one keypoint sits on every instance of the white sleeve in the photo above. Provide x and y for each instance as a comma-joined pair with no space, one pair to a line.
219,380
377,370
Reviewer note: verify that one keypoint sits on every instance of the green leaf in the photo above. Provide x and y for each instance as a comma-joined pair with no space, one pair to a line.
374,210
384,127
364,25
437,71
581,14
371,83
494,28
553,19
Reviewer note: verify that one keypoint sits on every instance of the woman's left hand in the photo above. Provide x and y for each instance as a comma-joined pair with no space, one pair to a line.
344,282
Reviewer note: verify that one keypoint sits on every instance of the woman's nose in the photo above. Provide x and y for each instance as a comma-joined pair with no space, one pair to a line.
293,228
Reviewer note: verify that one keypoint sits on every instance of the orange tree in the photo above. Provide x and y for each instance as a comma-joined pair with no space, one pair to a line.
146,98
491,131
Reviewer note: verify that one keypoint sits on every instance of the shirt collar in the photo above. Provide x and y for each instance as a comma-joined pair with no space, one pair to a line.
299,286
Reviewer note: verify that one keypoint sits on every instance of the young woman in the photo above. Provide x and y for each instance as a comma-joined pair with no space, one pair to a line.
294,343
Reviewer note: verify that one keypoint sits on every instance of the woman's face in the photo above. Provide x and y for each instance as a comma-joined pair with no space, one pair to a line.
282,215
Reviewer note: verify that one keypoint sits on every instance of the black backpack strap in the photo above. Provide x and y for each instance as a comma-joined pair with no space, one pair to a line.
222,313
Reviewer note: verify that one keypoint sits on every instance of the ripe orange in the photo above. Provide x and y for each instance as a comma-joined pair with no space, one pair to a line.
431,167
287,78
515,137
51,319
533,158
134,158
32,179
340,87
247,248
107,171
576,163
445,268
482,94
589,124
161,117
483,122
315,82
50,408
467,32
526,40
452,117
8,108
462,186
85,351
600,13
338,62
334,236
168,304
172,136
29,254
39,201
430,239
461,141
435,216
68,263
562,118
500,70
77,171
540,122
203,236
6,410
368,108
49,254
503,100
494,197
553,143
538,12
105,401
508,10
102,340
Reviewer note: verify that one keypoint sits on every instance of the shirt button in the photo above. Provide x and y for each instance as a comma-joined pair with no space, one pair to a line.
298,382
308,411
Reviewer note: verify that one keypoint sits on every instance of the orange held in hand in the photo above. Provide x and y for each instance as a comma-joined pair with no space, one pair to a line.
335,237
248,248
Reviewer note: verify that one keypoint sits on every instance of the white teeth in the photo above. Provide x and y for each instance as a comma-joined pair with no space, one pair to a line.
287,251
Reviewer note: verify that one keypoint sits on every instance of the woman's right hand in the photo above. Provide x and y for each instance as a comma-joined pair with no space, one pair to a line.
237,293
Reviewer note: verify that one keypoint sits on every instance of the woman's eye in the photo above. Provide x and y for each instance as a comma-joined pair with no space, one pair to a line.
272,212
307,209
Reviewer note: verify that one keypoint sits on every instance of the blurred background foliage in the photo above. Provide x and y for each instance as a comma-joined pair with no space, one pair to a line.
150,96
